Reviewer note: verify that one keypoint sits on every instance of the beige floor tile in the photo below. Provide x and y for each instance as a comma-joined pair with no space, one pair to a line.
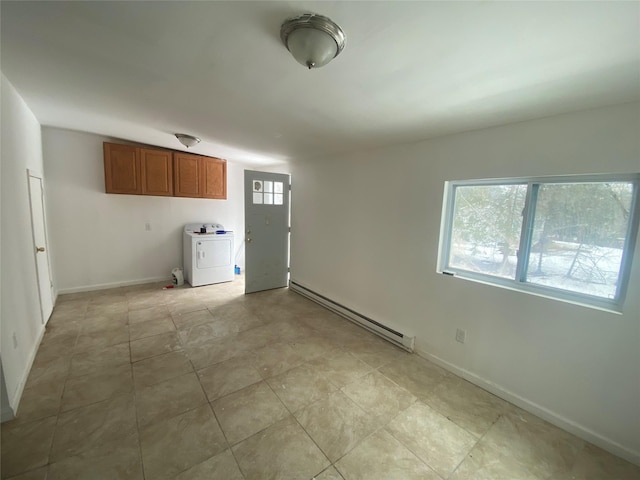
382,457
216,352
45,372
437,441
341,367
94,361
191,319
156,345
147,314
378,396
95,387
329,474
104,322
108,310
415,374
88,428
169,398
204,333
26,446
173,445
311,347
376,352
300,386
275,358
282,451
161,367
60,341
336,424
290,330
234,312
145,300
520,445
180,308
40,400
151,328
248,411
228,377
115,460
37,474
222,466
483,463
593,463
102,338
465,404
256,338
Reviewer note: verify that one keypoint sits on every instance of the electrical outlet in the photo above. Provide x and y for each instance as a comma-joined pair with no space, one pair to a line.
147,226
15,340
461,335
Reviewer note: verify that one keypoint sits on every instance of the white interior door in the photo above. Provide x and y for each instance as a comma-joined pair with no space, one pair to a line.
266,217
40,247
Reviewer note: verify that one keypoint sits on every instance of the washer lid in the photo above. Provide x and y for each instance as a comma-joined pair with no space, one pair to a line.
209,227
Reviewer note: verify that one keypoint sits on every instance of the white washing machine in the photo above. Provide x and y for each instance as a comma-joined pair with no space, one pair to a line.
208,254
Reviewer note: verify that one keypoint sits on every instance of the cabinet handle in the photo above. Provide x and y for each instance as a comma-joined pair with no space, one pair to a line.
39,249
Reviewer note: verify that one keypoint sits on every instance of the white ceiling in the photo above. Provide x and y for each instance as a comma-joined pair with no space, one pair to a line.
411,70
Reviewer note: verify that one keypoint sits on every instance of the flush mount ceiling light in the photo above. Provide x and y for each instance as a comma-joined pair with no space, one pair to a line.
187,140
313,40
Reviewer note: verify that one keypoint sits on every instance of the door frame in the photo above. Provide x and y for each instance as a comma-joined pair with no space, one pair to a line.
247,195
39,176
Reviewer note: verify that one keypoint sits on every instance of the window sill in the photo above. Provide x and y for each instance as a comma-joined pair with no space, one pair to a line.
603,306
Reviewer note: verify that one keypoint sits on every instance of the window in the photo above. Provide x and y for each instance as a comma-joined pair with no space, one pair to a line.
569,238
267,192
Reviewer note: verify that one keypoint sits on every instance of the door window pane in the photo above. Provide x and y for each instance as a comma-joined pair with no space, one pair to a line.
268,198
257,198
257,185
277,198
277,187
268,186
578,237
486,226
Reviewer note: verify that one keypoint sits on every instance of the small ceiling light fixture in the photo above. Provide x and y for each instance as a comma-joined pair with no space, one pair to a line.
187,140
313,40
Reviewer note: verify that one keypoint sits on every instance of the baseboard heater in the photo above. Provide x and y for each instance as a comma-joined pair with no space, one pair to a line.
401,340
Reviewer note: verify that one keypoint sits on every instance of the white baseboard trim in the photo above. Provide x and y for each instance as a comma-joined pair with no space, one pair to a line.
14,401
542,412
104,286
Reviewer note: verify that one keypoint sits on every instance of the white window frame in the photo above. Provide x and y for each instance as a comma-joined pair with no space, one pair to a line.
519,283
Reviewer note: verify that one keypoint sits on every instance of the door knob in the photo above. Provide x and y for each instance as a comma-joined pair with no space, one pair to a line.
249,240
39,249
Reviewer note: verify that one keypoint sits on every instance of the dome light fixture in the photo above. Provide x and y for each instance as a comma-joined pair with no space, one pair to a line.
187,140
313,40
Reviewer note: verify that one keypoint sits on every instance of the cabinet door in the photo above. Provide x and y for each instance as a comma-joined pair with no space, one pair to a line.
213,177
186,174
156,167
121,169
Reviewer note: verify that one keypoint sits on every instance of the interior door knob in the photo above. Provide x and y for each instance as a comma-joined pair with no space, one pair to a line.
39,249
249,240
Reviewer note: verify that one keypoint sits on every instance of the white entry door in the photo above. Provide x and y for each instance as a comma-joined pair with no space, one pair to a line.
266,218
40,247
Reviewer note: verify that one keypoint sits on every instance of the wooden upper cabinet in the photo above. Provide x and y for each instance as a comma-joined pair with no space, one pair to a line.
122,169
198,176
156,168
148,171
186,175
213,177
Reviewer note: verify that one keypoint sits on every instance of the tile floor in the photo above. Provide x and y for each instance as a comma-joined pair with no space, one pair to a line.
208,383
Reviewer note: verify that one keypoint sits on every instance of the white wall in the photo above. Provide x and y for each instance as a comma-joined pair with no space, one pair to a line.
98,239
365,233
20,309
